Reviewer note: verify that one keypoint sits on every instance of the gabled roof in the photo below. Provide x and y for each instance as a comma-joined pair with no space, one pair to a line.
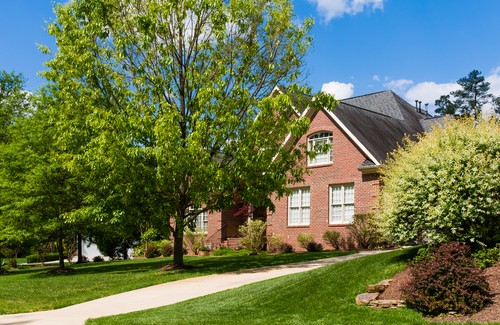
378,122
382,102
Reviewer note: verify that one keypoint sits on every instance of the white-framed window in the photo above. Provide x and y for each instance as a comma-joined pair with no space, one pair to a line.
316,143
201,220
341,204
299,207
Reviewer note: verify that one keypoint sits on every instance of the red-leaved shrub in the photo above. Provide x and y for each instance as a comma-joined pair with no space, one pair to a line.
448,280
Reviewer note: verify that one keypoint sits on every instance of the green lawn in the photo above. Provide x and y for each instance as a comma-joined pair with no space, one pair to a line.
321,296
32,290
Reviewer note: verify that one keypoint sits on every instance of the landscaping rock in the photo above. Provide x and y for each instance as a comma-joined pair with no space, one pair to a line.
385,282
364,299
386,303
375,288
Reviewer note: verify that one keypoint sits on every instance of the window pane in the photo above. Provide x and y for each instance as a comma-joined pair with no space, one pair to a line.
348,194
349,213
305,216
294,216
305,198
295,199
336,195
336,214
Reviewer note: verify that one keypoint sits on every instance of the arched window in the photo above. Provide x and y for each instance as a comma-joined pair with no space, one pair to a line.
321,144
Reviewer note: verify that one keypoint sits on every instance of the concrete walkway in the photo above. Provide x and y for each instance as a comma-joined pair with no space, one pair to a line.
166,293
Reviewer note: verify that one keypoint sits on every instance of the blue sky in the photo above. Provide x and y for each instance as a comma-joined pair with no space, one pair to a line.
418,48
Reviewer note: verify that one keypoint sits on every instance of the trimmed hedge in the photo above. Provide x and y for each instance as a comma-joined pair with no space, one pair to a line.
35,258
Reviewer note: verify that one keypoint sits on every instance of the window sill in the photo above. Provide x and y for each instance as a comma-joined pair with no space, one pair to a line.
298,226
339,224
320,165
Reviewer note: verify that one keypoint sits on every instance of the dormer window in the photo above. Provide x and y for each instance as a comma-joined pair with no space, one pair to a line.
321,144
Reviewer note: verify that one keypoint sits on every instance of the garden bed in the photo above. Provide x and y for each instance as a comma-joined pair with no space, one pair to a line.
489,314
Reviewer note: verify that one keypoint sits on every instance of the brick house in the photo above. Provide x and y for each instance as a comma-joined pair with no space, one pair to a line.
342,182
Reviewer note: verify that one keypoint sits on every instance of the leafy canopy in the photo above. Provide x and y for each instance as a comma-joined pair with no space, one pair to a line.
13,101
165,104
446,186
37,192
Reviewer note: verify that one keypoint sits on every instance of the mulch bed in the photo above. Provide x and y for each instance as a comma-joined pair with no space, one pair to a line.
489,314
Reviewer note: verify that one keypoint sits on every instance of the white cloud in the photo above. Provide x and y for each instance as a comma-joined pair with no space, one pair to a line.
428,92
330,9
339,89
494,80
375,77
400,84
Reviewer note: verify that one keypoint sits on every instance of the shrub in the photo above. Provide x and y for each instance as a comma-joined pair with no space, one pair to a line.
445,186
13,263
304,239
285,248
167,249
274,242
138,250
332,238
364,230
423,254
314,247
98,258
448,281
152,251
35,258
486,257
193,241
253,235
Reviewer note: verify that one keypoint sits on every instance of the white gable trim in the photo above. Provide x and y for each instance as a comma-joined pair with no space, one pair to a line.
277,89
353,138
358,143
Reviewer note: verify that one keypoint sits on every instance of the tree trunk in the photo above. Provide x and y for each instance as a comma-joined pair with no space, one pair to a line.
80,252
178,243
60,251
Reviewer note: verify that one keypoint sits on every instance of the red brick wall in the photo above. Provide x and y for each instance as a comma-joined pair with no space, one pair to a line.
344,170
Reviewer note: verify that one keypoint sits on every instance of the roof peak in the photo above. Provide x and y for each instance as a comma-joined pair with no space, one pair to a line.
370,94
384,102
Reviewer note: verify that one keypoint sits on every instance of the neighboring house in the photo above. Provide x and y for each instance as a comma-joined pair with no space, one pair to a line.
342,182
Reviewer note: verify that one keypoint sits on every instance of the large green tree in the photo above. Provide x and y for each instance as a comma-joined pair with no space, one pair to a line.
13,107
38,193
469,99
446,186
168,102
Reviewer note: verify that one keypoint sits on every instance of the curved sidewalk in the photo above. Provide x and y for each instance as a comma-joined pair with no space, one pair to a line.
166,293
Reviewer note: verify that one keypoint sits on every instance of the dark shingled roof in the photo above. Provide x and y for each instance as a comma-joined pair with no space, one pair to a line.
380,121
428,123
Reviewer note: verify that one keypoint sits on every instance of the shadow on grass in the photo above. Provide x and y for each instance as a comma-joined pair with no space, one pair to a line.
407,255
194,264
116,267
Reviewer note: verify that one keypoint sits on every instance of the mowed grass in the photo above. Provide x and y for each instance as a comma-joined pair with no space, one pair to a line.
321,296
34,289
